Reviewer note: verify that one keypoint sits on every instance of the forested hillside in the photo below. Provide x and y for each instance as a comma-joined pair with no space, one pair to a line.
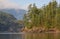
9,23
46,17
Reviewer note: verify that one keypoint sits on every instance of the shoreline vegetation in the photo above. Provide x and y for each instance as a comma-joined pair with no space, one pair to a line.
44,19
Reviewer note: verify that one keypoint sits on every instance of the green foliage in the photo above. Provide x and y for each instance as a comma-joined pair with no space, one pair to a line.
48,16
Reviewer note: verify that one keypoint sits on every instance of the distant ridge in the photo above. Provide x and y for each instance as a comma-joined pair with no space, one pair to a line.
17,13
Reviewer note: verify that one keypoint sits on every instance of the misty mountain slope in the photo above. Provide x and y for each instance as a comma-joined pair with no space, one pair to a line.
18,13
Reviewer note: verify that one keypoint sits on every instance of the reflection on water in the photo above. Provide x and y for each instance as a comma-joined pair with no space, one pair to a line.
11,36
31,36
43,36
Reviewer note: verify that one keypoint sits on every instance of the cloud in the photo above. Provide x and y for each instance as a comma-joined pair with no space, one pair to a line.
8,4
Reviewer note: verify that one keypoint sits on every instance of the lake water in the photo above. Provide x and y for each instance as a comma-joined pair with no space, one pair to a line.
31,36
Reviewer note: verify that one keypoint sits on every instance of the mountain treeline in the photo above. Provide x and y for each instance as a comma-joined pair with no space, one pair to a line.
47,16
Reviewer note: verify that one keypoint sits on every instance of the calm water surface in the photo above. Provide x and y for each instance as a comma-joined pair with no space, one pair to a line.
31,36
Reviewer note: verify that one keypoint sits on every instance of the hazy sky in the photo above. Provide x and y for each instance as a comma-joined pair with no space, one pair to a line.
22,4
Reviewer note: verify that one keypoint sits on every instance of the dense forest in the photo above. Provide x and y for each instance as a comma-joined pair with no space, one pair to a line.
47,17
8,23
36,19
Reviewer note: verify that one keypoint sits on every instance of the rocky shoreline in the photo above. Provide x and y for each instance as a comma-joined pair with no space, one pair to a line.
39,30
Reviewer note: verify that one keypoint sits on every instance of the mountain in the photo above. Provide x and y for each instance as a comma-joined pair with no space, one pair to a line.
17,13
6,21
9,23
